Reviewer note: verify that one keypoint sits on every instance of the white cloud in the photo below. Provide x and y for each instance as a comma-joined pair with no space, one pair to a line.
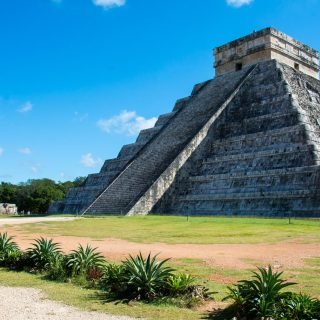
26,107
127,122
88,161
106,4
25,151
238,3
1,151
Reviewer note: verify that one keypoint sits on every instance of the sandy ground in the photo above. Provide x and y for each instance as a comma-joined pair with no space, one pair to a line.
287,254
25,304
14,221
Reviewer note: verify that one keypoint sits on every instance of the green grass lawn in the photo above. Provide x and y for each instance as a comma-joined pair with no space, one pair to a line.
92,300
175,230
211,230
5,216
307,278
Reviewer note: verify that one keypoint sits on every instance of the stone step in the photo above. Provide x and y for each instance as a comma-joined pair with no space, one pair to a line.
250,212
137,178
130,149
256,174
164,118
114,164
281,179
276,150
301,203
286,194
147,134
264,161
259,141
259,93
270,105
257,124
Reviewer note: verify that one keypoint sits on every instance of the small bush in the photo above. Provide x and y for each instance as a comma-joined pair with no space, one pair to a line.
8,249
298,307
84,260
146,278
56,270
114,281
43,252
179,284
260,297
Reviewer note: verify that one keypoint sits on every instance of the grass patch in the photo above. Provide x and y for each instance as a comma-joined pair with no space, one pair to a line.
6,216
308,277
91,300
174,230
218,279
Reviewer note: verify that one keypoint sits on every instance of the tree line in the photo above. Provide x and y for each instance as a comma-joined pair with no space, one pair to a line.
36,195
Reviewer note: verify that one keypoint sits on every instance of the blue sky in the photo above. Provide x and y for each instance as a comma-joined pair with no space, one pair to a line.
80,78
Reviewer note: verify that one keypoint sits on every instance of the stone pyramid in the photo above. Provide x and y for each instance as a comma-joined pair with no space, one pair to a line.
245,143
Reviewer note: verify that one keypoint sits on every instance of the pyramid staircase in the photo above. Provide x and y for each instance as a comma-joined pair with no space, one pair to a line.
243,143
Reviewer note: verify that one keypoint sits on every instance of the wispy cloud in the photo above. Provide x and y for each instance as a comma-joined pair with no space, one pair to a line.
1,151
238,3
35,168
80,117
127,122
25,151
88,161
26,107
106,4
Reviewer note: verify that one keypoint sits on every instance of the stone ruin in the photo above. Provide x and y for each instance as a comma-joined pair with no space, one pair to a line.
8,208
244,143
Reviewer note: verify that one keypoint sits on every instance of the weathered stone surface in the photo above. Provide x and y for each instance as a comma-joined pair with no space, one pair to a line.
263,156
246,142
265,45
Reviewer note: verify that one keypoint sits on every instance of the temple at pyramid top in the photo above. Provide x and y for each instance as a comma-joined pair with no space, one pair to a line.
264,45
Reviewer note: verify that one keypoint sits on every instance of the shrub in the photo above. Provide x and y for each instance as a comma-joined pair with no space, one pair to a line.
146,278
260,296
83,260
114,280
42,252
7,248
56,270
299,306
19,261
179,284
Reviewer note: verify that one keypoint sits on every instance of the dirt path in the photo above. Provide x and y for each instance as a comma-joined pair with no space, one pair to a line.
285,254
30,304
18,220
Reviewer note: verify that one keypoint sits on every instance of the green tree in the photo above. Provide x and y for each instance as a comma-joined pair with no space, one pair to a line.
36,195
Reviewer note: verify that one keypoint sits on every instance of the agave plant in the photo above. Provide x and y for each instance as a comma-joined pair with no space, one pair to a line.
179,284
7,247
147,277
82,260
259,296
42,252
